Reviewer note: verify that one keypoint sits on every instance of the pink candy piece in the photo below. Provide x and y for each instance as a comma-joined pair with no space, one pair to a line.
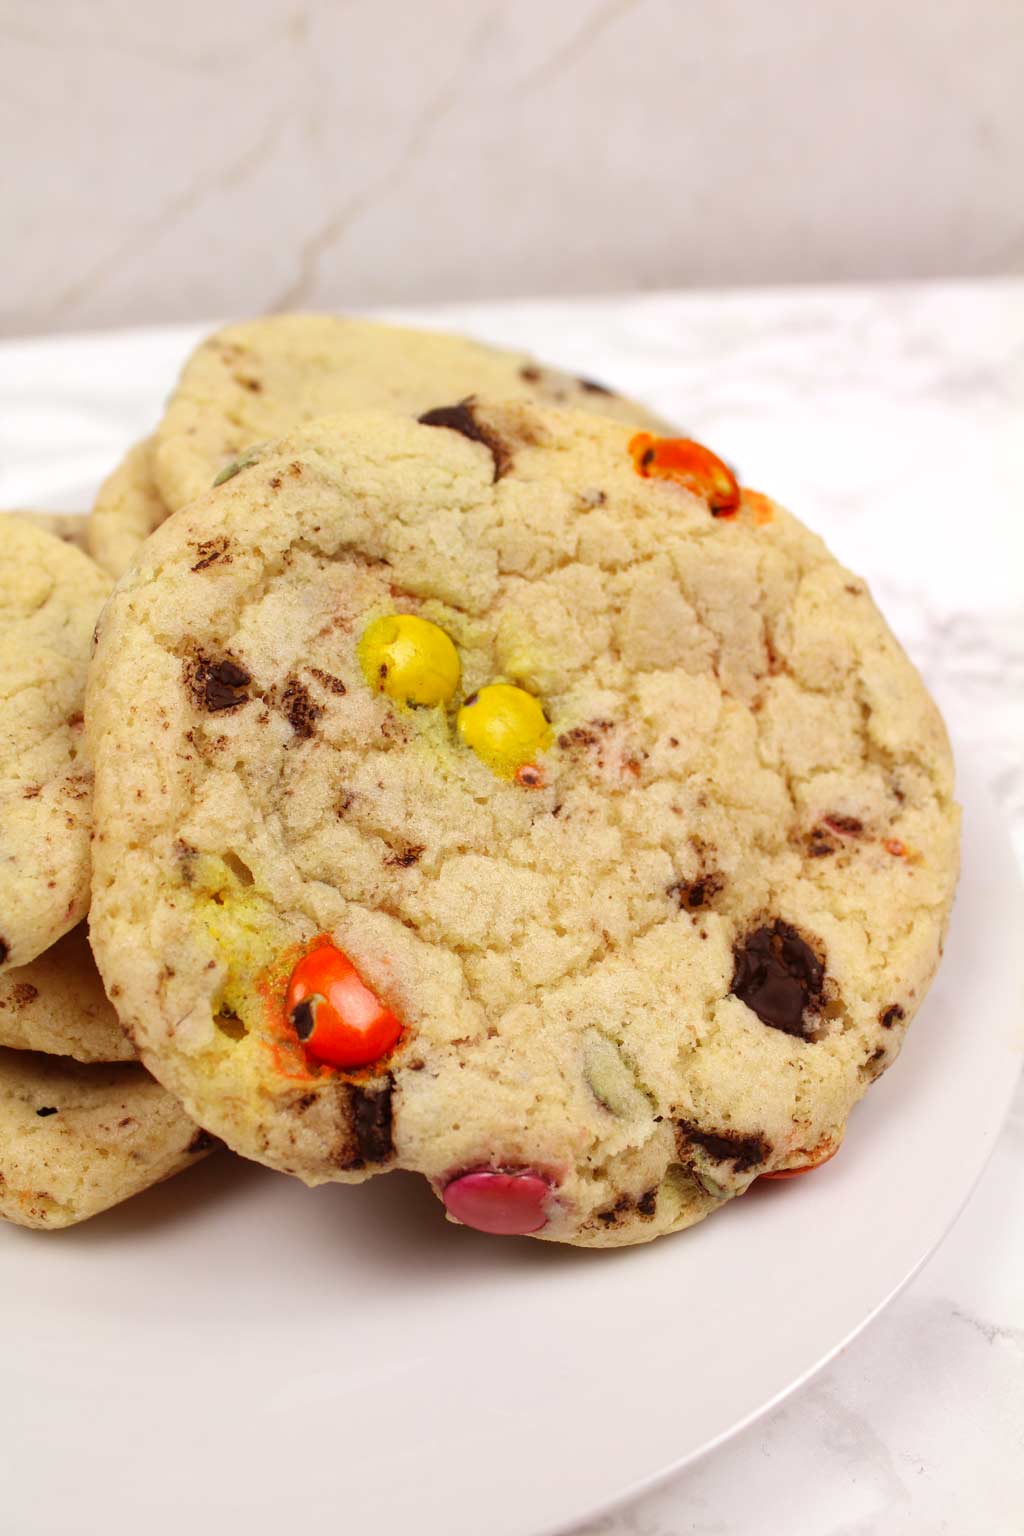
505,1203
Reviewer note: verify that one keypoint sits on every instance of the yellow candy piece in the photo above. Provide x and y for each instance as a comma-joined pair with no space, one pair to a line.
504,726
409,659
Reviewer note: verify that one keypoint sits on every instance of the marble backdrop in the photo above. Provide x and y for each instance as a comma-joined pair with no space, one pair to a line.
173,161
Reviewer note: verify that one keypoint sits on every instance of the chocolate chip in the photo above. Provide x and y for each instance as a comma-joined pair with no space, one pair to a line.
404,858
779,977
48,1109
742,1149
216,685
5,950
303,1015
647,1203
371,1121
613,1213
594,388
894,1014
847,826
873,1066
461,418
582,736
692,894
210,551
329,680
202,1141
300,709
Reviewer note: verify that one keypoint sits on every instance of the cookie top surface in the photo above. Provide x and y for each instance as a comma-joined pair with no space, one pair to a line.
127,508
56,1004
50,595
665,958
69,526
253,382
75,1140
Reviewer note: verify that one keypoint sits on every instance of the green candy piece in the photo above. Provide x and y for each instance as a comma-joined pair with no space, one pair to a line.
237,465
611,1077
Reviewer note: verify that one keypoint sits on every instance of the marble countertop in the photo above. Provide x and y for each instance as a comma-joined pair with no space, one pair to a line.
891,418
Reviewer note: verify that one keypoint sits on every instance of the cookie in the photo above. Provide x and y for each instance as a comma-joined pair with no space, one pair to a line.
56,1004
127,508
69,526
75,1140
50,596
253,382
509,797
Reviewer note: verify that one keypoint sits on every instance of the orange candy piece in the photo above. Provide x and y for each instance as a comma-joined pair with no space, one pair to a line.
689,464
792,1173
338,1018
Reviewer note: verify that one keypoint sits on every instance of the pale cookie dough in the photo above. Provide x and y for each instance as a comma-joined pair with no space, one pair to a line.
666,959
127,508
50,596
56,1004
69,526
75,1140
253,382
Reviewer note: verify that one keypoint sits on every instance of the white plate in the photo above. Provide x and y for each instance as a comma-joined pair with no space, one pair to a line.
234,1352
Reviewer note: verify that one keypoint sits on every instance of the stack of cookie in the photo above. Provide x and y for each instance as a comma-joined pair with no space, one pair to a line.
485,784
82,1124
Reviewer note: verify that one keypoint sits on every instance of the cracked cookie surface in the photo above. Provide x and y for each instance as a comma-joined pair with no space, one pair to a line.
50,596
253,382
75,1139
56,1004
667,960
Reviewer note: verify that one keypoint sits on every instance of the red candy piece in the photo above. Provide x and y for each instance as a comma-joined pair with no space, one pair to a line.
505,1203
335,1014
792,1173
690,464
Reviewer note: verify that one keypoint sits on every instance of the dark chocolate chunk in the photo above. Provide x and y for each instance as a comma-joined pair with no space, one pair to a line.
329,680
404,858
594,388
582,736
300,708
48,1109
202,1141
847,826
779,976
209,551
647,1203
461,418
693,894
216,685
371,1121
742,1149
894,1014
303,1015
5,950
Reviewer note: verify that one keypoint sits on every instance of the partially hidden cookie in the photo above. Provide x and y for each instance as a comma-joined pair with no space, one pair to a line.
512,798
56,1004
127,508
253,382
69,526
50,596
75,1139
